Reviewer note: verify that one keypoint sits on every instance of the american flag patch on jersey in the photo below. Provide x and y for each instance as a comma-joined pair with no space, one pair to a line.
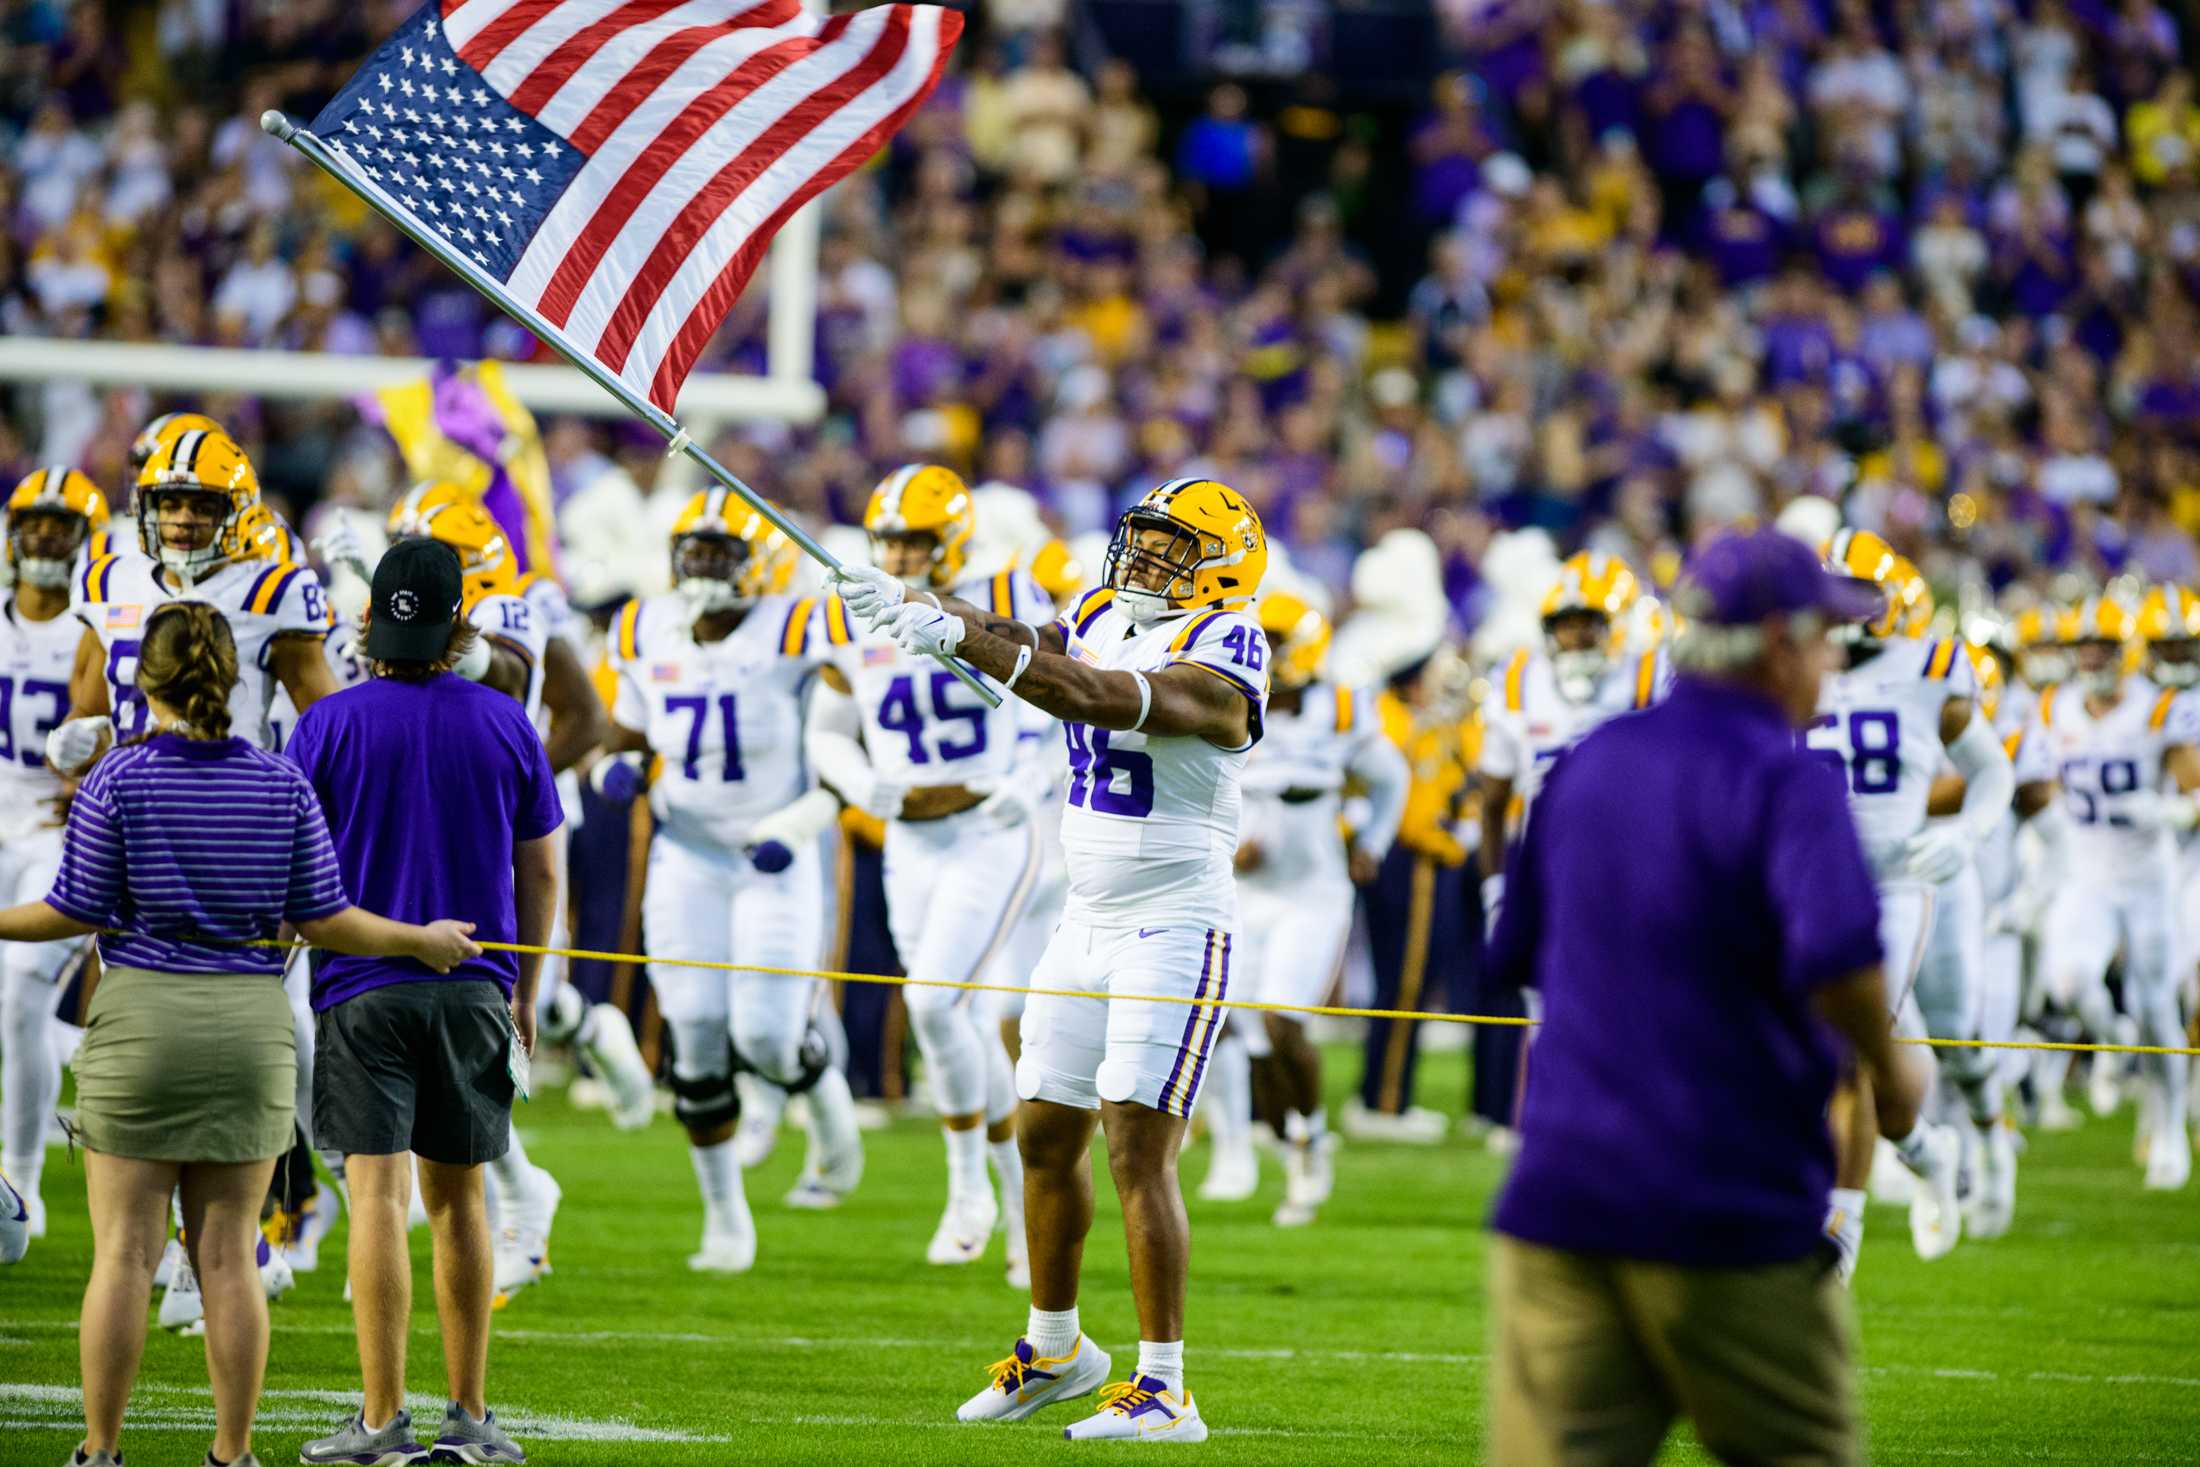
879,656
123,617
664,672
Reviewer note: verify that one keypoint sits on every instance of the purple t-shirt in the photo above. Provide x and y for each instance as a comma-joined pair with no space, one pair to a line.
1689,878
427,787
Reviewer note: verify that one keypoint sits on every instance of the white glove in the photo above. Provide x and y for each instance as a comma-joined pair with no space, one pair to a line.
868,592
1493,901
881,799
923,630
796,823
343,546
76,743
1936,853
473,664
2152,810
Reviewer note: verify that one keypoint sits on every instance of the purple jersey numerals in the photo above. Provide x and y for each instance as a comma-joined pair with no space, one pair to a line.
1872,762
1107,781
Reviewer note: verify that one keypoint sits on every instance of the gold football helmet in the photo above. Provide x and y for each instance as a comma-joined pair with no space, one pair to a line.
1909,607
725,555
59,494
440,510
2103,636
925,499
206,464
2169,621
1214,554
166,427
1298,638
1596,589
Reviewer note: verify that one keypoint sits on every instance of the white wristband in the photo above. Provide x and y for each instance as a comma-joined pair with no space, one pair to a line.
1023,660
1145,700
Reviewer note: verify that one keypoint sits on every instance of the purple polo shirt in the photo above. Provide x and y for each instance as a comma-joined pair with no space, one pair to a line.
427,787
1687,881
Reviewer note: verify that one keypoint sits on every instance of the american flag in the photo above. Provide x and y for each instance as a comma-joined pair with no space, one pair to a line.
620,165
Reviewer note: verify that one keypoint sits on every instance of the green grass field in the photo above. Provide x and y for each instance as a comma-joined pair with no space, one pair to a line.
2075,1339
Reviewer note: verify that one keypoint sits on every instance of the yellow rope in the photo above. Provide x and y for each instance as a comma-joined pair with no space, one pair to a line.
1498,1021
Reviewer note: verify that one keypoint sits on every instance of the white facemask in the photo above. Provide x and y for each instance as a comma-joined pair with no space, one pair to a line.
48,573
1578,673
1144,608
2102,682
705,594
2176,674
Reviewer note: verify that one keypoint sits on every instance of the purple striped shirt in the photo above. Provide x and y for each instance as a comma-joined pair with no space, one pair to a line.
191,846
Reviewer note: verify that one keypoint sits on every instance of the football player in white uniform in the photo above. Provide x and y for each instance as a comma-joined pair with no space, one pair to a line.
1885,724
1548,701
197,529
51,515
2169,624
711,679
1296,871
898,737
2123,754
1160,679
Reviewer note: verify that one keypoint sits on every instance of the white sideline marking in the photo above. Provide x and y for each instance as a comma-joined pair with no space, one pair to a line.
56,1407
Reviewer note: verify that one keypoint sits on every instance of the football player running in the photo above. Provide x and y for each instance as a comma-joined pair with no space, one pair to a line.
898,737
51,515
1296,874
1160,679
711,679
2123,754
1885,723
1548,701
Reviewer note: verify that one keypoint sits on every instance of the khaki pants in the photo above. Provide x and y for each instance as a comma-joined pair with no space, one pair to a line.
1594,1357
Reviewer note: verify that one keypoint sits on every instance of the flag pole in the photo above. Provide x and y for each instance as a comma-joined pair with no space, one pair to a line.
317,152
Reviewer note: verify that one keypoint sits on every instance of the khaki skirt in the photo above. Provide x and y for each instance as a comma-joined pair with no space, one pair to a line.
187,1067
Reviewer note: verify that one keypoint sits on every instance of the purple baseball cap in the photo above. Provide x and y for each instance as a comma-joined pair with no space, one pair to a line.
1745,576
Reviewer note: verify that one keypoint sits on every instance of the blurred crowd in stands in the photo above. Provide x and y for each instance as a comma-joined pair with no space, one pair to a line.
1631,270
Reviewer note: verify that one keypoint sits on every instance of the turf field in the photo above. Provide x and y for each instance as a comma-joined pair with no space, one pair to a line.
2075,1339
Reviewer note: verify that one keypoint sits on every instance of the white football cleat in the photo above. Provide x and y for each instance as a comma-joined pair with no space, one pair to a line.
15,1223
1993,1202
2057,1113
1321,1166
732,1251
181,1308
966,1227
1936,1221
522,1247
276,1274
2169,1159
1233,1174
1026,1382
1141,1410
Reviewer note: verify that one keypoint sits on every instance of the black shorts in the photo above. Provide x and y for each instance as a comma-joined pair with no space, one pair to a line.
421,1067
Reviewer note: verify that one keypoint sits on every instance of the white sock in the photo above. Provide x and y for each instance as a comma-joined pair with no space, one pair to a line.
719,1176
515,1178
1847,1203
1226,1099
24,1171
1164,1361
1052,1333
965,1161
1008,1165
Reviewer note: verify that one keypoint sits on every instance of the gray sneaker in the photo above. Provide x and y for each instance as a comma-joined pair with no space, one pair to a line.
355,1446
82,1458
463,1439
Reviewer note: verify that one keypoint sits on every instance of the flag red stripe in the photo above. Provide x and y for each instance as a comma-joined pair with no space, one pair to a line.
666,57
664,150
503,31
556,69
702,322
680,235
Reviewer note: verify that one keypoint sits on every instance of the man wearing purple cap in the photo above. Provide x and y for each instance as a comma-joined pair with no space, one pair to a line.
1693,904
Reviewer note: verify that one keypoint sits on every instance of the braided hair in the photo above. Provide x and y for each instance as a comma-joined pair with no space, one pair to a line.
188,660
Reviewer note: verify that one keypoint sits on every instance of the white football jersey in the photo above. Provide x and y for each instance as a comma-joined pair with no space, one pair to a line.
262,600
510,621
1150,825
921,726
725,717
1294,785
2102,761
35,660
1531,723
1878,725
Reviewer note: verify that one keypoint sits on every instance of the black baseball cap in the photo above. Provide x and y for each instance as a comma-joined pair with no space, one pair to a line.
417,590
